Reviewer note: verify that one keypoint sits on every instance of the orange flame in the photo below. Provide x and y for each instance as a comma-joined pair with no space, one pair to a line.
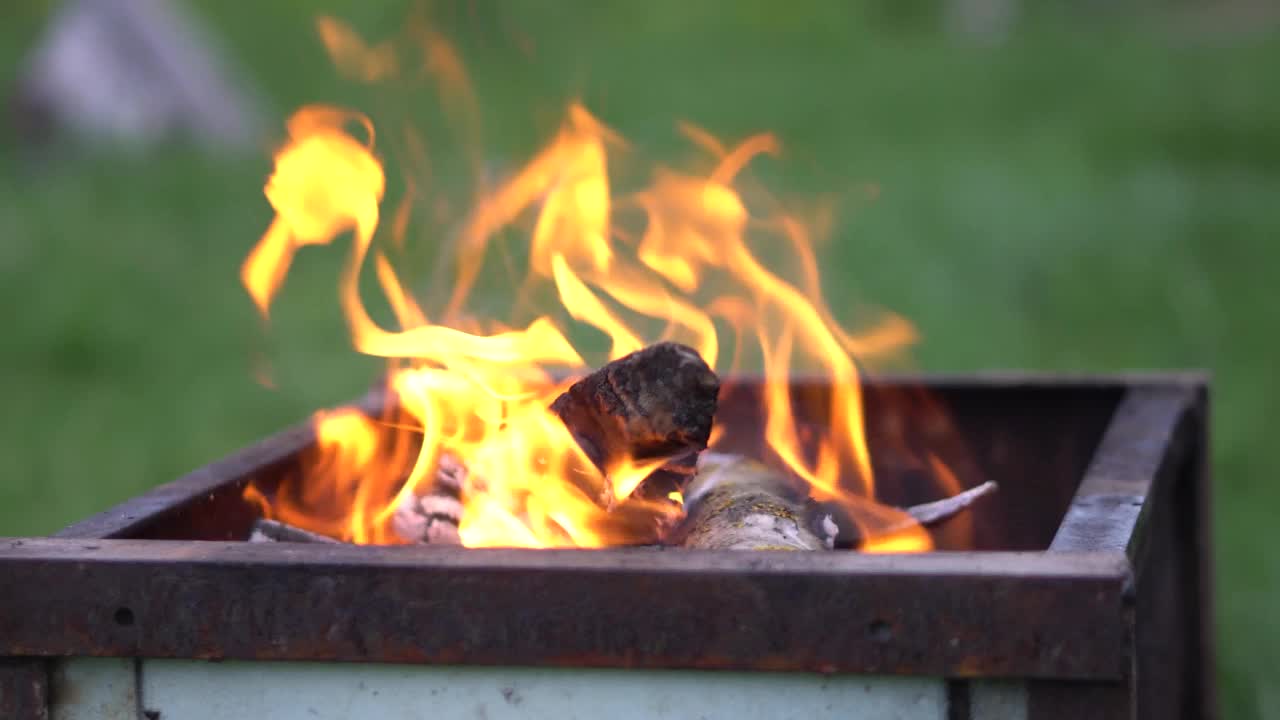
481,391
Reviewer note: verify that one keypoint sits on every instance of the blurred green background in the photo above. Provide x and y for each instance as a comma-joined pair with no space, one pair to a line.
1096,190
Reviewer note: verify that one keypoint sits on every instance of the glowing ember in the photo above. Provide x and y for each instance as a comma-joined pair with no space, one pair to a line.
480,390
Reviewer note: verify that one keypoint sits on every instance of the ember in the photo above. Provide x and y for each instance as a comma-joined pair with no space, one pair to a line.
547,462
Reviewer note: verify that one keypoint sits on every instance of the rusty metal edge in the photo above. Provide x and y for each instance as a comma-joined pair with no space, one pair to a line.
131,515
1060,615
1193,378
1108,509
24,689
1157,434
1204,502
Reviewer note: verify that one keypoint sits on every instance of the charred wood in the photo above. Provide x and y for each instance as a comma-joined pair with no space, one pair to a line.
655,403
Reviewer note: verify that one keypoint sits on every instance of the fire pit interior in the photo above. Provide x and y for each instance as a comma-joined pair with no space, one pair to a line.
1035,440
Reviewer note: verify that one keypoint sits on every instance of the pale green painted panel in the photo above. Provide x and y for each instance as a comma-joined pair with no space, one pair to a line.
94,689
194,690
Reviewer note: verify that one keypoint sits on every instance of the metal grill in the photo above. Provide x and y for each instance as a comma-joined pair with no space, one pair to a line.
1083,591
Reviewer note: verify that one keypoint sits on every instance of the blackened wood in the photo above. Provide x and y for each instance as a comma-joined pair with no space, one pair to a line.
1059,615
24,689
658,402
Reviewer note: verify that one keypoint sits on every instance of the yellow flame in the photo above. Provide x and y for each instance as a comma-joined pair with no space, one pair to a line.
480,391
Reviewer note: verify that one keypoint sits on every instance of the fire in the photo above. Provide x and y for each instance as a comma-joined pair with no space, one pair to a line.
479,390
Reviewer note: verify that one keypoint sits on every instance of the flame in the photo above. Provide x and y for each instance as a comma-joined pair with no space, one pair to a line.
480,390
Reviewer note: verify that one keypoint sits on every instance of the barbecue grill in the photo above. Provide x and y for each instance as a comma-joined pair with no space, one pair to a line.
1081,591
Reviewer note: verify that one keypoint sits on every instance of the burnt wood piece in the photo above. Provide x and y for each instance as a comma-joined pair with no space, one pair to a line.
1061,615
24,689
265,530
655,403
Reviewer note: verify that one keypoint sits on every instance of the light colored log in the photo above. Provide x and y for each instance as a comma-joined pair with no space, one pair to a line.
736,503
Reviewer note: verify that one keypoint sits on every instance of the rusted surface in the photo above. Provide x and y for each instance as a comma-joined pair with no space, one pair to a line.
1146,437
206,504
1030,435
1009,614
1116,612
24,688
1146,493
1202,579
1173,581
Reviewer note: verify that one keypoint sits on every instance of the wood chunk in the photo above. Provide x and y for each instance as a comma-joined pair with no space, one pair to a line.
739,504
658,402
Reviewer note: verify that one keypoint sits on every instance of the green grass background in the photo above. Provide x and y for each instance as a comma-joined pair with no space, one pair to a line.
1097,193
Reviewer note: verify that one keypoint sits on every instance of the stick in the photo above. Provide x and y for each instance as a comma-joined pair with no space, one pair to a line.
265,530
932,513
739,504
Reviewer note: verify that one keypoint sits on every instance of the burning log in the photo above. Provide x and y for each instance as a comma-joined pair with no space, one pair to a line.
655,403
740,504
658,402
